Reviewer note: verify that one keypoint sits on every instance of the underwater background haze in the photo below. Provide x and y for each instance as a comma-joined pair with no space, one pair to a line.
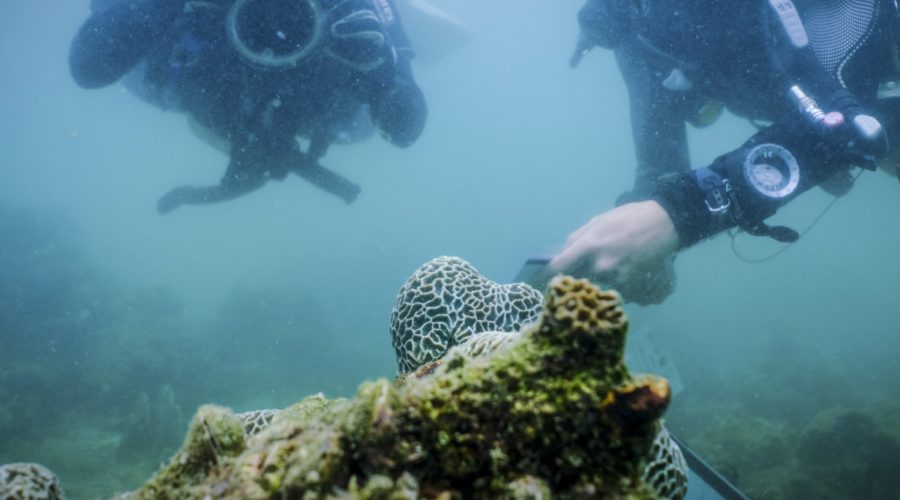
117,322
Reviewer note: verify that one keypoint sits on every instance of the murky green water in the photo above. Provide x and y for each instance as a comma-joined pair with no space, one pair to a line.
116,322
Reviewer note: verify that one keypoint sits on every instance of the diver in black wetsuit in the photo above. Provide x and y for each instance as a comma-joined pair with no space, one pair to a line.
812,69
259,74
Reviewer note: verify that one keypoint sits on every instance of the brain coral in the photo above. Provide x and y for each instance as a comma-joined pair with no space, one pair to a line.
256,420
552,411
445,302
23,481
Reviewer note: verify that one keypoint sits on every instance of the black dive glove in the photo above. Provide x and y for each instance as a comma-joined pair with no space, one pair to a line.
397,103
357,38
861,140
115,38
606,23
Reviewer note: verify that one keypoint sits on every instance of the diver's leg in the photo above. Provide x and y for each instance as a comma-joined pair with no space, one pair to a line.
307,168
233,185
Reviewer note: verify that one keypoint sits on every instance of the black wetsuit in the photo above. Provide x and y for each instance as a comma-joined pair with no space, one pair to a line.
189,64
677,57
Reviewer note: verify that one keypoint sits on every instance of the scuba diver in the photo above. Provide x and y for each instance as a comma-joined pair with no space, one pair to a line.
819,78
257,75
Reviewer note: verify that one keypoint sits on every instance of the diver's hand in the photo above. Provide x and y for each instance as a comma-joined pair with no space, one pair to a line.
839,183
357,37
891,164
399,111
630,248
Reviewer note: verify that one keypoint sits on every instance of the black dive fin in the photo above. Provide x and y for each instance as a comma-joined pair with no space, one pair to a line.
323,178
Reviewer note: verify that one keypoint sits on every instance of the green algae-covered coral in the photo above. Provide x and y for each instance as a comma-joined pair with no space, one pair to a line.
447,304
215,436
553,411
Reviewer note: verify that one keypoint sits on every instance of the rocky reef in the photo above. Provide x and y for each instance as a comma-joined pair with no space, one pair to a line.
553,411
839,453
446,304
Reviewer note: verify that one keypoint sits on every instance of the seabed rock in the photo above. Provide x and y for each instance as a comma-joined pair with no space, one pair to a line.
550,412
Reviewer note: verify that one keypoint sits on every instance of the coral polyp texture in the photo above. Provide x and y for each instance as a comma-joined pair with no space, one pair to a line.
25,481
447,301
551,411
257,420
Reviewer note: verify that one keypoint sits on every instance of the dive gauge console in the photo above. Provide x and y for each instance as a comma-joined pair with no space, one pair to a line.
772,171
275,34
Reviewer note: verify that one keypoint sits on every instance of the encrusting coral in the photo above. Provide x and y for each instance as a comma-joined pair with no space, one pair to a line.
447,304
23,481
551,411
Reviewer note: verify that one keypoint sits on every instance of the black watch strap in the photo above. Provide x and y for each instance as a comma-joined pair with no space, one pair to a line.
721,202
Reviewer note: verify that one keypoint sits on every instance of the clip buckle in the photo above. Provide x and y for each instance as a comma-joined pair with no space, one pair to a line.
718,200
716,190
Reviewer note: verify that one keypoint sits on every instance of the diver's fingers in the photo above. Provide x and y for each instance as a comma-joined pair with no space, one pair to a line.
582,261
552,268
578,233
572,258
582,231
